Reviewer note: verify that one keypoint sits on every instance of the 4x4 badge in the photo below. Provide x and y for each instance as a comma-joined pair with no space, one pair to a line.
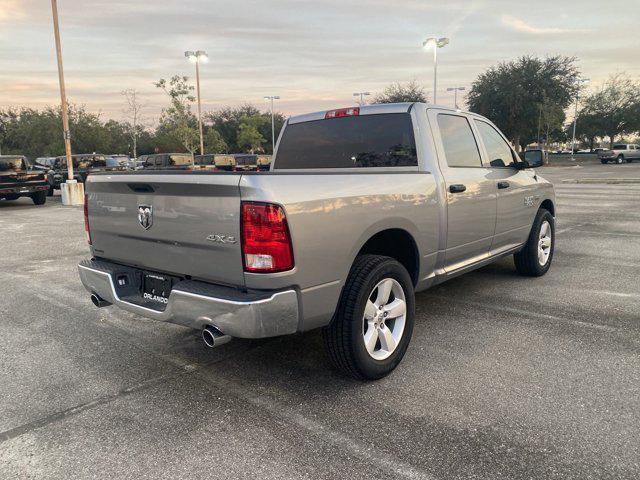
145,216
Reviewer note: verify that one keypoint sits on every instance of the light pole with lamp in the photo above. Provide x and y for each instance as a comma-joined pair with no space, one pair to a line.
580,82
197,57
361,95
435,43
273,132
455,91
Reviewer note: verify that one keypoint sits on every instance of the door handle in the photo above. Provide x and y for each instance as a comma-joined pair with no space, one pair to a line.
503,185
457,188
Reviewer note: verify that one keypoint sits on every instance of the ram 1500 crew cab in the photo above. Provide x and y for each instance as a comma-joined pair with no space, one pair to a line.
361,208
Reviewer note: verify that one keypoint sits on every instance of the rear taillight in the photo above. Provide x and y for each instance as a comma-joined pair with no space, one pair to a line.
266,242
343,112
86,218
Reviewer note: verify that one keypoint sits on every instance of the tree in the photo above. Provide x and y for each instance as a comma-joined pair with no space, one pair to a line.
213,141
134,116
249,138
511,94
177,121
398,93
615,109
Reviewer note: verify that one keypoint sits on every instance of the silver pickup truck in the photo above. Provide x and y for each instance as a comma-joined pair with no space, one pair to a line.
361,208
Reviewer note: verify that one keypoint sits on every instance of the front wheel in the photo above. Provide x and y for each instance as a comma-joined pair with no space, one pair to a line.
620,160
373,324
535,257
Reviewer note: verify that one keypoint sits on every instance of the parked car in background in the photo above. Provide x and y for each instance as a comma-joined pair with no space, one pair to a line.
123,160
620,153
16,180
246,162
363,207
83,166
264,162
217,161
163,161
43,163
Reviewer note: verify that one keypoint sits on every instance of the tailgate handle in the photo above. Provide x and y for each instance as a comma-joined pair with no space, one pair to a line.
141,187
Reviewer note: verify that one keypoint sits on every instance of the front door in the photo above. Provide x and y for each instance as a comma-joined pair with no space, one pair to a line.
515,189
470,192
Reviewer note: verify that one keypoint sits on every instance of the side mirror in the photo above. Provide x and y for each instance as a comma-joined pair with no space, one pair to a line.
534,158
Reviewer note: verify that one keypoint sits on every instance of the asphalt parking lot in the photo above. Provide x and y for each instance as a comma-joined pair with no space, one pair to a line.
506,377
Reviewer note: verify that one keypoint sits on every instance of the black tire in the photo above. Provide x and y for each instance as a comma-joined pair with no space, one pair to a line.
620,160
343,338
526,260
11,196
39,198
604,162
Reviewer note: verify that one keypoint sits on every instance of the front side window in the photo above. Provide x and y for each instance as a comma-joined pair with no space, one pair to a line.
499,151
382,140
460,147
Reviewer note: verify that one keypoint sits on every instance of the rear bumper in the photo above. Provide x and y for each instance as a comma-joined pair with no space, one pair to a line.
23,189
197,304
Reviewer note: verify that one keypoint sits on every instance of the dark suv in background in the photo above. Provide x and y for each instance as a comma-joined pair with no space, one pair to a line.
83,165
162,161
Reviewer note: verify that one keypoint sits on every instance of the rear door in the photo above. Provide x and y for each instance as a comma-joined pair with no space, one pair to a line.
180,224
470,190
515,188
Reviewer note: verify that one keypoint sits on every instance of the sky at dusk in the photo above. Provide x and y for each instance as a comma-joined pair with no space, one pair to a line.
313,54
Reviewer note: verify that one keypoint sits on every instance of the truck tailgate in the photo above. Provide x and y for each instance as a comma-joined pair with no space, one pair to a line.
181,224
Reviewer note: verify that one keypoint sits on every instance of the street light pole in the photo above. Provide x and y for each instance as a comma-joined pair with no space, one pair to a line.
361,95
196,57
63,94
273,128
455,94
435,43
581,82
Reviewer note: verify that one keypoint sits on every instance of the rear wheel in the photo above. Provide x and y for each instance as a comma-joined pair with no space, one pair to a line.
535,257
12,196
373,324
39,198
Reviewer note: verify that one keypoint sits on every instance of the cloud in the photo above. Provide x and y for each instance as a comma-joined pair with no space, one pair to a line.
520,25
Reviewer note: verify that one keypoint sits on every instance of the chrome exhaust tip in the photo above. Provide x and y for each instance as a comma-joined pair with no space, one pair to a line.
99,301
213,337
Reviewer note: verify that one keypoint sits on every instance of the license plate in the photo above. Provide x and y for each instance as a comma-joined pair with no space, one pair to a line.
156,287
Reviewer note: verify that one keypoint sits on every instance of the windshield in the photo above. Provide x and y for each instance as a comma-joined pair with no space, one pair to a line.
12,164
383,140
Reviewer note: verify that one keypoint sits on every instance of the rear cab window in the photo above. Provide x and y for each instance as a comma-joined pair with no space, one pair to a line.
361,141
458,141
12,164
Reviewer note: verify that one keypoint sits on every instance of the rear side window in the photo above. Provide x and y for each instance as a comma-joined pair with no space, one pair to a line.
460,147
499,151
384,140
619,147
